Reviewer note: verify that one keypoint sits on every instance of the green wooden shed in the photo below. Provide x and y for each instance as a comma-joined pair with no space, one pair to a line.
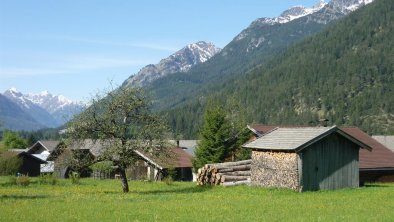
306,159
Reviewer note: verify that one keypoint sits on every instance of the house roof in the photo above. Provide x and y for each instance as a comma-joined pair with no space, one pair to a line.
297,138
188,145
379,157
387,141
49,145
170,158
28,155
260,129
94,148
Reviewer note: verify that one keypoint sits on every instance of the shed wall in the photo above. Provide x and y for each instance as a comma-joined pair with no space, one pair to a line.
331,163
29,167
274,169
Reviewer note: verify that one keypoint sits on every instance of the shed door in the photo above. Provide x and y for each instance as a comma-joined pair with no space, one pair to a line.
330,163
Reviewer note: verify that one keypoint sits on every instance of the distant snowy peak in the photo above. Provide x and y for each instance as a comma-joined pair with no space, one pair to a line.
49,102
50,110
292,14
322,12
180,61
346,6
18,98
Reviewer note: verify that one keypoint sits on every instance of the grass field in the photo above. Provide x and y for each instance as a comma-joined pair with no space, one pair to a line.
96,200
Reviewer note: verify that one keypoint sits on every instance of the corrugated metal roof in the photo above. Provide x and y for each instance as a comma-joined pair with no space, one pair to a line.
388,141
289,138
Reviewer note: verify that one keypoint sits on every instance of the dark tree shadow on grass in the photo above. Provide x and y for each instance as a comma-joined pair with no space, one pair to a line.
378,185
196,189
22,197
170,189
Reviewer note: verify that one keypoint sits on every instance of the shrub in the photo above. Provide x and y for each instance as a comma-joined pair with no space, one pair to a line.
74,176
23,180
48,179
9,163
168,180
171,175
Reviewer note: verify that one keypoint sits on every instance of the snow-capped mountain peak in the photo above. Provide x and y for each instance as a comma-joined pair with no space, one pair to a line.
49,102
15,95
322,13
50,110
298,12
346,6
292,14
180,61
13,90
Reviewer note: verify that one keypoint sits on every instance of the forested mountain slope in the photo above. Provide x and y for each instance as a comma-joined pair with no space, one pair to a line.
344,74
257,44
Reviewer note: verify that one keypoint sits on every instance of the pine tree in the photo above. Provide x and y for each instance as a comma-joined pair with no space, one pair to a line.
213,137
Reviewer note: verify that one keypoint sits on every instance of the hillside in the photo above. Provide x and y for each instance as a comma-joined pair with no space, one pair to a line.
344,73
256,45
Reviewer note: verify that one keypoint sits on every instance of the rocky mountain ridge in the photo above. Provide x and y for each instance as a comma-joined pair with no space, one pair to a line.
44,108
180,61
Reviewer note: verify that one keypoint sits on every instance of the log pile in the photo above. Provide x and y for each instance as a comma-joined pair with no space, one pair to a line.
225,174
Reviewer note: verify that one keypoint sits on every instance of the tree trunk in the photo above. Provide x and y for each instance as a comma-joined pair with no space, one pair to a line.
125,184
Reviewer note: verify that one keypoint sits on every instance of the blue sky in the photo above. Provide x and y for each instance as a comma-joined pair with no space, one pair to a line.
75,48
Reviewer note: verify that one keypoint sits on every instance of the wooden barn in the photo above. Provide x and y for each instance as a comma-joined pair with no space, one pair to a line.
157,167
30,164
71,159
387,141
374,166
42,149
306,158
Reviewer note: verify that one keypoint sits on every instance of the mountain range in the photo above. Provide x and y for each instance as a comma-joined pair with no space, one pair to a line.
20,111
245,69
181,61
343,73
254,46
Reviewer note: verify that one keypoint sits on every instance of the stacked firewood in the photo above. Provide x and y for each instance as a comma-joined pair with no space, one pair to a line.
225,174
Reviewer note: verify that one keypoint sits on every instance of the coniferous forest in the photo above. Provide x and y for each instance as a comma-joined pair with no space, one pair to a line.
344,74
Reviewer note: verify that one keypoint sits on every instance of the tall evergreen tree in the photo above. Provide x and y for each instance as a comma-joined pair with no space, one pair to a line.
214,134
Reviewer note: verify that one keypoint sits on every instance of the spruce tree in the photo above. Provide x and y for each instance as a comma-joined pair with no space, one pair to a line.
213,137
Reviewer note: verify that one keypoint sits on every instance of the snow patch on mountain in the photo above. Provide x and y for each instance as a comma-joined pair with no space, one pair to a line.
322,12
180,61
50,110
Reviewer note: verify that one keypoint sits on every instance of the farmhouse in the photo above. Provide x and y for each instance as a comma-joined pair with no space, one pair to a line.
75,155
387,141
42,149
30,164
306,158
375,166
148,166
157,167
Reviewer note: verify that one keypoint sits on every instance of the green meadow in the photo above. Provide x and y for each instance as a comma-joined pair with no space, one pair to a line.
102,200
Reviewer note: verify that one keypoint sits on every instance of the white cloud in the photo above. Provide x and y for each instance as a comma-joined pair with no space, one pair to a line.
152,46
71,65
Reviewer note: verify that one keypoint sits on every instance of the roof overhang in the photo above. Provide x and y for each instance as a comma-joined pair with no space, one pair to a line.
148,159
354,140
378,169
316,139
32,156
